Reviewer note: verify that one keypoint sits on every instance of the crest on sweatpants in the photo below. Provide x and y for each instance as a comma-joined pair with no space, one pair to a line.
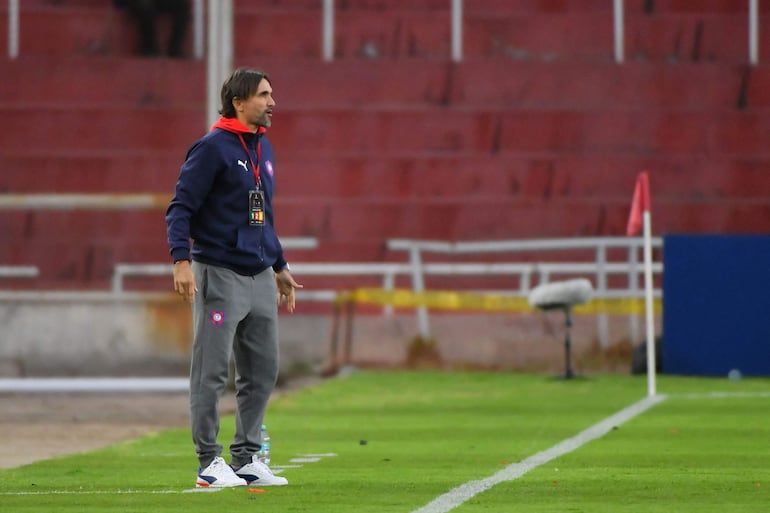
217,317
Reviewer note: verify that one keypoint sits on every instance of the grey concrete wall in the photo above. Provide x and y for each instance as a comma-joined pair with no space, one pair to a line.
96,335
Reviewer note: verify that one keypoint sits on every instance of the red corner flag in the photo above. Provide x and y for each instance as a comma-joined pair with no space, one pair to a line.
640,204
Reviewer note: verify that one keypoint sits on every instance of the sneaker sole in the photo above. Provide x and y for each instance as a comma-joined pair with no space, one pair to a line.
256,482
206,484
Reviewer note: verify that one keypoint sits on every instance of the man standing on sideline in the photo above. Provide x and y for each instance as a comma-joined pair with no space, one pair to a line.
237,279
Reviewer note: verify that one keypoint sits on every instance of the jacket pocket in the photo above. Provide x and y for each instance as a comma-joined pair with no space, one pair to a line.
250,241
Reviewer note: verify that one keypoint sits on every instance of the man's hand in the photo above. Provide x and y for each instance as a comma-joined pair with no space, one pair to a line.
184,280
286,288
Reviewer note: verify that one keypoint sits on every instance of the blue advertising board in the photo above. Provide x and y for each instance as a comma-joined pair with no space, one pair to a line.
716,304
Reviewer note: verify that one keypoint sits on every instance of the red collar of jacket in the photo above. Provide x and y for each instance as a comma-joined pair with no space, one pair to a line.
235,126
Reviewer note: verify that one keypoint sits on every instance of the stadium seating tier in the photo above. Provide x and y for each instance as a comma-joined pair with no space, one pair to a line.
536,133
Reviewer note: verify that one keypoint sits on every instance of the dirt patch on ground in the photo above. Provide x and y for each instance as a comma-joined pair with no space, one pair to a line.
37,426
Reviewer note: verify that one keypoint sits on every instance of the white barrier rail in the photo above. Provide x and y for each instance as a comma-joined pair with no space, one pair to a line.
157,269
83,201
598,267
599,270
93,385
19,271
389,271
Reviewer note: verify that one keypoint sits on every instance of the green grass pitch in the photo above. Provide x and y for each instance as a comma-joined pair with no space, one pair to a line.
401,439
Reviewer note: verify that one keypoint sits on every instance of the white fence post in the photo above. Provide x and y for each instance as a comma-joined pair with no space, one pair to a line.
327,31
388,283
418,284
13,29
198,29
753,32
457,30
619,31
602,320
633,287
220,54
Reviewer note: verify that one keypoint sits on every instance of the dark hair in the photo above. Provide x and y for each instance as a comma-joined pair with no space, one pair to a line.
243,83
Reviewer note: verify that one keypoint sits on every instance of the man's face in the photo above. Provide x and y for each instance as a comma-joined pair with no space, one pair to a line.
257,110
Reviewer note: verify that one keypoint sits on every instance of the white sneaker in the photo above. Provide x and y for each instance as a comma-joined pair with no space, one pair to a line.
218,475
257,473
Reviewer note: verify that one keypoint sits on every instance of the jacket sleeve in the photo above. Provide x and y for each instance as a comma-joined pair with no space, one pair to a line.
280,262
196,177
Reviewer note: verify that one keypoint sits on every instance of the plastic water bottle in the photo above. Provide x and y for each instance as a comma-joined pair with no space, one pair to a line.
264,452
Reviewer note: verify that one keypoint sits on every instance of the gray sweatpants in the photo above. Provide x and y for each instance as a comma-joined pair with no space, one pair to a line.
238,315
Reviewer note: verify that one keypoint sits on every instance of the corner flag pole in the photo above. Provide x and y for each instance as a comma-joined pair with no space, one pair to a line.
640,218
648,306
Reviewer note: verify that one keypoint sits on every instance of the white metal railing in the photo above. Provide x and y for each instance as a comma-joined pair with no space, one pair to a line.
600,269
19,271
598,266
220,29
100,385
389,272
85,201
121,271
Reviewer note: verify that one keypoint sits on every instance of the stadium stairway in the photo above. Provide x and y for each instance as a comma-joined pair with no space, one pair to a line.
537,133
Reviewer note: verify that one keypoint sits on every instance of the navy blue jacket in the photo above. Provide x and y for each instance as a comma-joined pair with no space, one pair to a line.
211,203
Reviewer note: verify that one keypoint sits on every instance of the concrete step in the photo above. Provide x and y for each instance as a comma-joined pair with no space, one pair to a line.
30,172
483,83
111,81
98,128
411,177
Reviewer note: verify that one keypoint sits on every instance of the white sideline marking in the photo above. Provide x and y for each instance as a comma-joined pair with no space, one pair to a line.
721,395
455,497
108,492
304,460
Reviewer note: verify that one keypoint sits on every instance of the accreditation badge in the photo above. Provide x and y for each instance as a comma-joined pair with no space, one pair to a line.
256,208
